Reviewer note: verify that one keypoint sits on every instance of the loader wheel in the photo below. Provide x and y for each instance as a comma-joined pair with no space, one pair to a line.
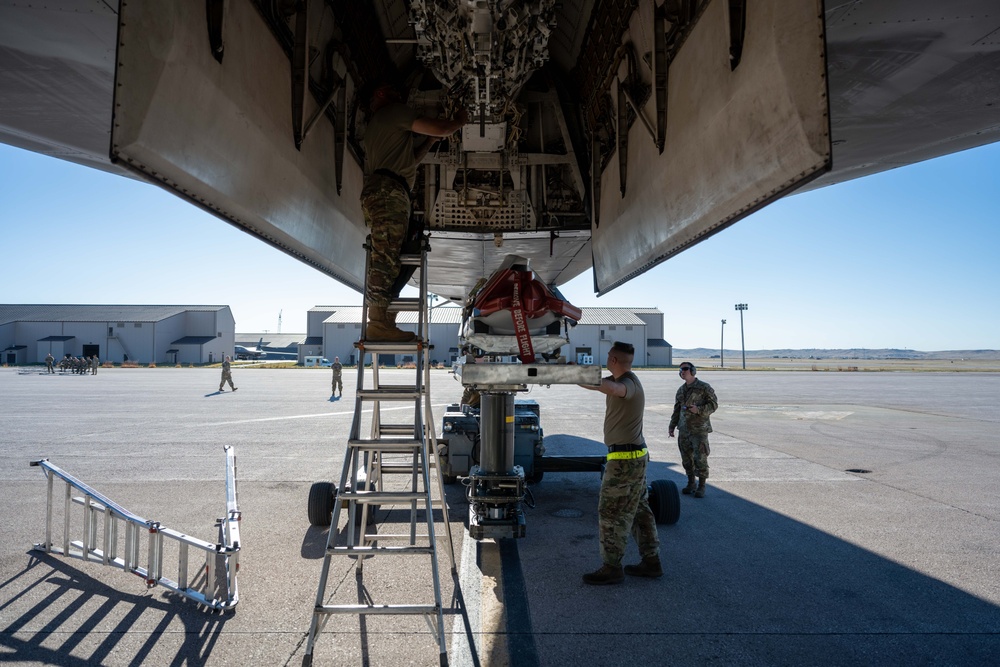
321,499
665,501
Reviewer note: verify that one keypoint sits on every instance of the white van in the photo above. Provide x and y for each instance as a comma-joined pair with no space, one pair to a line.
317,361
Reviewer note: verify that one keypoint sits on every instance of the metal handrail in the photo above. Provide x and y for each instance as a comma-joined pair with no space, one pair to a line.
101,511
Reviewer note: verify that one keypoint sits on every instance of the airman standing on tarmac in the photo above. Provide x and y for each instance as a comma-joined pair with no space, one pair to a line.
694,403
94,363
623,503
48,362
338,382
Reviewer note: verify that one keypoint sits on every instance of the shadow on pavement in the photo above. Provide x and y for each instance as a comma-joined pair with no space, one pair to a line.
53,627
743,585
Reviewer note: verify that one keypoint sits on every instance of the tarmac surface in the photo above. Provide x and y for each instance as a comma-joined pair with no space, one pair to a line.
790,559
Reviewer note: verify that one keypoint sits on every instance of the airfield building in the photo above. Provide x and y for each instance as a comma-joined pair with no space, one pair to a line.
332,331
144,334
204,334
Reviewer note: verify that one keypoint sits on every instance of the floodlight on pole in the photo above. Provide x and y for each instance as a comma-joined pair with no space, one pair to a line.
722,346
741,307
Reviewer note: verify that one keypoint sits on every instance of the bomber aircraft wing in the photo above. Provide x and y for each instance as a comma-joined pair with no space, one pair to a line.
610,134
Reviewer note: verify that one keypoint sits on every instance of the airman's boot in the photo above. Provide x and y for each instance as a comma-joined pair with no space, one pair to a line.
383,329
608,574
700,491
648,567
689,489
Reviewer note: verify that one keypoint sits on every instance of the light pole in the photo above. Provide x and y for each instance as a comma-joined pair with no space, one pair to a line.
741,307
722,346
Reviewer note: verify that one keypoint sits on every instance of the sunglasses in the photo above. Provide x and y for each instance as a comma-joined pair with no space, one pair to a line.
685,369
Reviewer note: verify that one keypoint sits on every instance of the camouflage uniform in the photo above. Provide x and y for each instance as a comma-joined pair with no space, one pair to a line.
338,382
693,429
623,505
48,362
386,205
227,375
94,363
623,508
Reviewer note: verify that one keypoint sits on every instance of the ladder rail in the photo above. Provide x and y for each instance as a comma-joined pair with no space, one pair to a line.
100,538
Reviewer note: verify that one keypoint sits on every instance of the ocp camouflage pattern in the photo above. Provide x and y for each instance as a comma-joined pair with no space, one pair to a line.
624,496
386,206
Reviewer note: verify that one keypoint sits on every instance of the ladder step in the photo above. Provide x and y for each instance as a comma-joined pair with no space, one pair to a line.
390,348
382,497
377,609
413,259
397,429
412,304
399,469
385,444
373,551
389,394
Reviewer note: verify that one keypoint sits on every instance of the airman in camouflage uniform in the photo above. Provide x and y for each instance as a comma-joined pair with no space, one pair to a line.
694,403
227,375
338,381
390,171
623,506
48,362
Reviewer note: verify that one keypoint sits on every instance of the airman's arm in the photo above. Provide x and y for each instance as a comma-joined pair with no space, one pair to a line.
440,127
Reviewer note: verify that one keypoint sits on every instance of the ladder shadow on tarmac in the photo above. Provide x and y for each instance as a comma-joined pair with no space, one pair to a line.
54,580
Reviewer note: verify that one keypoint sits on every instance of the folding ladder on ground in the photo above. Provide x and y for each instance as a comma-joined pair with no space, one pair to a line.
112,535
407,449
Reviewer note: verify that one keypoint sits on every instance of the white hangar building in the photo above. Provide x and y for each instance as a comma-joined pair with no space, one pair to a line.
144,334
333,330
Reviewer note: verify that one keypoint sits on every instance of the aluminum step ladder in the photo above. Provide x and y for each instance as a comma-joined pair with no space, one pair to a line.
111,535
408,451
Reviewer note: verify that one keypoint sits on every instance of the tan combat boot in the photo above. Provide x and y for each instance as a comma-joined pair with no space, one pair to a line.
700,491
689,489
382,329
607,574
648,567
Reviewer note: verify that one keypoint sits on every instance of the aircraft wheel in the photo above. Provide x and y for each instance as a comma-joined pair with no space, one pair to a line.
665,501
321,499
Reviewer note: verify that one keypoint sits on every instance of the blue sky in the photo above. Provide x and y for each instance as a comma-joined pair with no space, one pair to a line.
906,259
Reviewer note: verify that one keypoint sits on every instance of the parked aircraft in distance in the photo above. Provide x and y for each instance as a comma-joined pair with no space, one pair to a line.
251,353
610,135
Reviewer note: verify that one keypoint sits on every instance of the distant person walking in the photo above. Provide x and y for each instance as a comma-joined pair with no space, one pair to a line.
227,374
623,504
94,363
48,362
694,403
338,381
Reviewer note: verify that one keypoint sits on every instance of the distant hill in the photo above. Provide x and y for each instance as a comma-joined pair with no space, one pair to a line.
847,353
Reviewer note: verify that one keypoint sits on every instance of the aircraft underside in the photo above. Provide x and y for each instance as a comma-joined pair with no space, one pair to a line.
604,134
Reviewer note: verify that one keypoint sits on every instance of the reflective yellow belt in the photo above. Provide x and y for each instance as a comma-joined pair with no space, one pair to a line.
612,456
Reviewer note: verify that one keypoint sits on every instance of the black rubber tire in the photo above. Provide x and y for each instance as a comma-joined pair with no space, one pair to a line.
665,501
449,479
535,477
321,499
